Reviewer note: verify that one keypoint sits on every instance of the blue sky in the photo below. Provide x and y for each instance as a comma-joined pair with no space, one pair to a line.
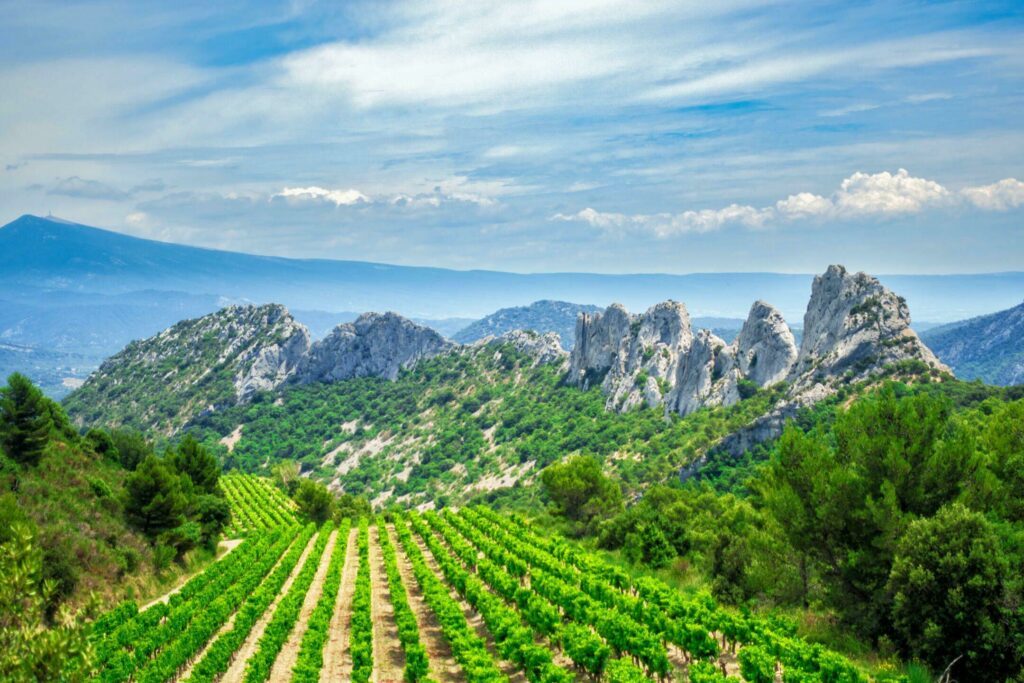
593,135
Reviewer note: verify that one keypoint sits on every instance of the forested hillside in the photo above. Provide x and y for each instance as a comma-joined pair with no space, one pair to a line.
989,348
898,515
456,426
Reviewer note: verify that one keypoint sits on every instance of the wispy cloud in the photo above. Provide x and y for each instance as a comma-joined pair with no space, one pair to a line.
86,189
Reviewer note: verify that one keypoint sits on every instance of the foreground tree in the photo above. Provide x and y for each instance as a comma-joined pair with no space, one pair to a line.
948,584
30,648
580,491
198,464
155,501
315,501
25,420
895,459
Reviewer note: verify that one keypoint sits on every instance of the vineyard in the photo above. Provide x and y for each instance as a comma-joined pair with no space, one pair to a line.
452,596
256,504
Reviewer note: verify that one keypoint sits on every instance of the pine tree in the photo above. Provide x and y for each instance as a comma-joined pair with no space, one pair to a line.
155,499
25,421
198,464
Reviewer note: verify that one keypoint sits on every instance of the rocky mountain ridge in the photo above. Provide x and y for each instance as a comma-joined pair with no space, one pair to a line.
853,326
227,357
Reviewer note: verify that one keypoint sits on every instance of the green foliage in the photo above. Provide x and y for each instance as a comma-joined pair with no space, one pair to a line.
466,417
314,501
846,505
580,491
25,420
948,580
30,648
132,447
177,499
195,462
155,501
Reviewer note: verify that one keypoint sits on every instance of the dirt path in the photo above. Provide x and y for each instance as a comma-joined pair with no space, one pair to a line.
443,667
476,622
227,546
388,658
282,669
236,671
337,659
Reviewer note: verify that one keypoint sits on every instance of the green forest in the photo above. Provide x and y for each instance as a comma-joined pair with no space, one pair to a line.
891,526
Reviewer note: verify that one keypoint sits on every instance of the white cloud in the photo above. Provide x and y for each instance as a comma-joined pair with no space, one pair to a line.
484,193
862,194
339,197
803,205
137,219
887,193
667,225
1006,194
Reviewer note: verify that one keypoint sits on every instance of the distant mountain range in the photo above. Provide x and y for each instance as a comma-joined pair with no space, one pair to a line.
989,347
67,288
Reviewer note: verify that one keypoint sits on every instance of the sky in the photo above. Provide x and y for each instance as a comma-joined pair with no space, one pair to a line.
536,135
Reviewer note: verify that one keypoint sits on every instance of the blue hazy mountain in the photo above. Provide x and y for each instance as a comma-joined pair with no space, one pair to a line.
45,254
989,347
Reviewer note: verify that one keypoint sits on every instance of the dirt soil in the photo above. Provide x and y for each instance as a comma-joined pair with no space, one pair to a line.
388,658
443,667
282,669
476,622
236,671
337,660
225,546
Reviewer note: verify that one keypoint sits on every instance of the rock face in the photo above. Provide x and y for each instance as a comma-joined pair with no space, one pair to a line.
375,345
706,376
544,348
194,366
633,358
202,365
853,326
765,350
268,366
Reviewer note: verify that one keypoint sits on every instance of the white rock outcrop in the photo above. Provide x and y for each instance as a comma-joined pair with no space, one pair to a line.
270,365
853,326
765,350
375,345
544,348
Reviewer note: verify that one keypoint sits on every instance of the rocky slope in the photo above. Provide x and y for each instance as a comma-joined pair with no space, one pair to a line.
540,316
544,349
375,345
989,348
193,366
205,364
853,326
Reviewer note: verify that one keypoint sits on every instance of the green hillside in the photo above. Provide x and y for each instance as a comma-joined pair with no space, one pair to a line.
456,426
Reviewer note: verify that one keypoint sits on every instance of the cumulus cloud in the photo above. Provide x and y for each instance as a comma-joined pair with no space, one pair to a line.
346,197
459,189
885,192
1002,196
82,188
667,225
861,194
